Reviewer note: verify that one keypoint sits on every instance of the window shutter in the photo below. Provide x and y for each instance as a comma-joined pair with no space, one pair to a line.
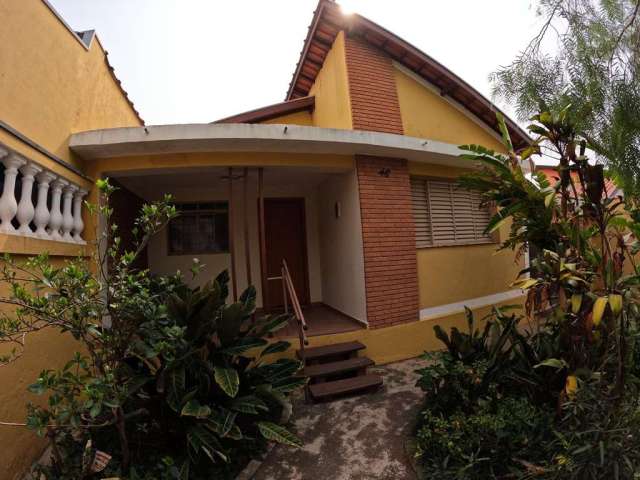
446,214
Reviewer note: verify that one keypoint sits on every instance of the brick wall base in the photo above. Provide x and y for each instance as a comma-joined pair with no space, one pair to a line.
388,234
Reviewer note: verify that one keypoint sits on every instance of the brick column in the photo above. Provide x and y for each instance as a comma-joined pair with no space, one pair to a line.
372,88
388,234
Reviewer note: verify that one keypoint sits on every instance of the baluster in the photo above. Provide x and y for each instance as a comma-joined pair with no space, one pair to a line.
41,218
55,217
26,210
78,224
67,216
8,203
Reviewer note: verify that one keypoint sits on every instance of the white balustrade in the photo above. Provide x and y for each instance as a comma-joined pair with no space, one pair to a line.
41,219
78,224
8,203
26,210
67,216
57,214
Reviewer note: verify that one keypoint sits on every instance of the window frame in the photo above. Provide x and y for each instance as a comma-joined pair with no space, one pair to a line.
196,213
487,240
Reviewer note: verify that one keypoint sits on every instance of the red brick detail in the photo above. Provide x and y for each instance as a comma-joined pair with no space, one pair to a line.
388,234
372,88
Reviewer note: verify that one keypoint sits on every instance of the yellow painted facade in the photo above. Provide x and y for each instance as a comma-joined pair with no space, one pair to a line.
457,273
54,87
399,342
297,118
331,89
231,159
426,114
50,87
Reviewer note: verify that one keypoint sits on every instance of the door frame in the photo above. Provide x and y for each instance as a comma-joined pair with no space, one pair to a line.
305,300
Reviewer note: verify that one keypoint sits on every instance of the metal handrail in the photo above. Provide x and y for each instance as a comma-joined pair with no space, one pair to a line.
288,288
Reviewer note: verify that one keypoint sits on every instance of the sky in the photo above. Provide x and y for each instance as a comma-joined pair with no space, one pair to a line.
195,61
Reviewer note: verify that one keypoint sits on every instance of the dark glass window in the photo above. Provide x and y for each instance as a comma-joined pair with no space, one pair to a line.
200,228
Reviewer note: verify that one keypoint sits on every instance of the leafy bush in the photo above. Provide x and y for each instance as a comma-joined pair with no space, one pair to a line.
553,394
172,381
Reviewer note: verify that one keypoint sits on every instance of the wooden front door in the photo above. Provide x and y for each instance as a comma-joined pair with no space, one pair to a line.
285,237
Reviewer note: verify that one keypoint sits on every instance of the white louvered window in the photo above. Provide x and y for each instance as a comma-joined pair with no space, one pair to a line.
446,214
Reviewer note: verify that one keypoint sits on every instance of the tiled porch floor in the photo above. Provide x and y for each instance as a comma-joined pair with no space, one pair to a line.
321,320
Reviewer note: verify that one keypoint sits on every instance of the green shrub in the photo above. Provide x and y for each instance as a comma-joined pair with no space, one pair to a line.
172,381
552,394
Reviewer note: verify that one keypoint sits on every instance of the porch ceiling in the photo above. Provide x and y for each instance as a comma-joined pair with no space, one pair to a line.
215,178
187,138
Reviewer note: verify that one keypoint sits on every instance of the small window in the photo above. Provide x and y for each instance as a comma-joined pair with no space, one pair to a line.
447,214
199,228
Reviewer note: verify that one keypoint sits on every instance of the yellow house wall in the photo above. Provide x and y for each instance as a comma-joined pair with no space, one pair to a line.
426,114
297,118
457,273
399,342
231,159
46,349
52,86
331,89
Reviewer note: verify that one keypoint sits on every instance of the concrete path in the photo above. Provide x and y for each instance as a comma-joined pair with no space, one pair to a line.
357,438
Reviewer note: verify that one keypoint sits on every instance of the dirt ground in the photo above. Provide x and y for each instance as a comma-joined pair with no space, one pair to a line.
356,438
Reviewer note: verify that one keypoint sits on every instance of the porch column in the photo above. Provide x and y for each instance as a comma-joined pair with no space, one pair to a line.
234,280
263,241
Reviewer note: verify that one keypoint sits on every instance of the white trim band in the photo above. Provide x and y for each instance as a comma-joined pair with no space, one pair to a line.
235,137
472,303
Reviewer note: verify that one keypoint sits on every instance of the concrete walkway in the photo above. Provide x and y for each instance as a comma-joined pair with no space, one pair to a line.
357,438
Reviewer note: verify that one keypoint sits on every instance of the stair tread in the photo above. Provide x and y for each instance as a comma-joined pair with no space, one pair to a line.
347,385
315,353
341,366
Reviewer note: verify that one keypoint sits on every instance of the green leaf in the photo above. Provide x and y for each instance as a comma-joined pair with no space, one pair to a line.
193,408
249,404
230,322
184,471
278,434
506,138
289,384
276,347
201,440
243,345
556,363
228,380
272,324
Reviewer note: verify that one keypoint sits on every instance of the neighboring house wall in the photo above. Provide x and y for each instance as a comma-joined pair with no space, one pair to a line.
47,349
51,85
341,246
332,109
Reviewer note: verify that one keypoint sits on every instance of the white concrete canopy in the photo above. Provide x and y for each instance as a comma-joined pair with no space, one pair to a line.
187,138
